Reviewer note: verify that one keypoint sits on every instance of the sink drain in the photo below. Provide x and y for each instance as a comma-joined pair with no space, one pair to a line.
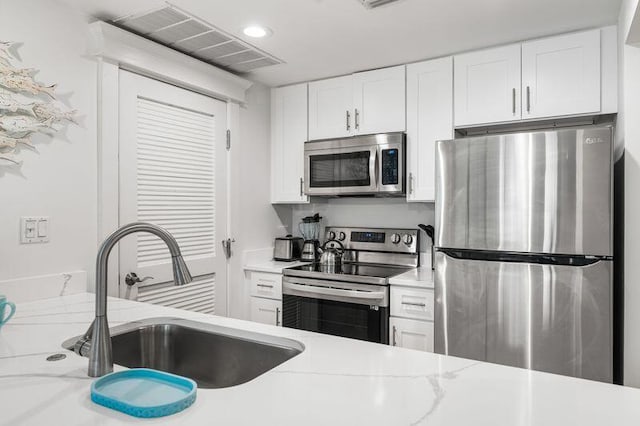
56,357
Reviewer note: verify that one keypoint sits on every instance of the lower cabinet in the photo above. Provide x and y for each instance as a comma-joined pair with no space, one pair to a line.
411,321
265,304
411,334
266,311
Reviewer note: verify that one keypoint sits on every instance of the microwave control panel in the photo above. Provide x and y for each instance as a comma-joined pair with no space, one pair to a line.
390,163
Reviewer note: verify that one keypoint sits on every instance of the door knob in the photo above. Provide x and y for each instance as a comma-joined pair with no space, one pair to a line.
132,278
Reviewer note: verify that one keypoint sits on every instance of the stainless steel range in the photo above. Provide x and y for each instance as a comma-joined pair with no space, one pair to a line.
349,298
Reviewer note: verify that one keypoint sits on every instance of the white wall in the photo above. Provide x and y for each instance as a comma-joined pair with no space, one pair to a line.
254,222
629,134
59,180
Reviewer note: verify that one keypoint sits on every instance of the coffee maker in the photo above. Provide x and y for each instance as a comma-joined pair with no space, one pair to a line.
310,230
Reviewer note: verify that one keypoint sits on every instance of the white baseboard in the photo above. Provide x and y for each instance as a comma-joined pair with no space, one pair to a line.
39,287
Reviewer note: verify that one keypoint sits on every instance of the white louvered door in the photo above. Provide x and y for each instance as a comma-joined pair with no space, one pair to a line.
173,173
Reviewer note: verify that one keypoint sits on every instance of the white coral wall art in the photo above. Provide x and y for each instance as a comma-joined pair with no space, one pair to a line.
27,107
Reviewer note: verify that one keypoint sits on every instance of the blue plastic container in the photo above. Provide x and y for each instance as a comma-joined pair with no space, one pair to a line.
143,392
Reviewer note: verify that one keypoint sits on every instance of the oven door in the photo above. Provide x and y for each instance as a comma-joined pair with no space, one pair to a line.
357,311
341,170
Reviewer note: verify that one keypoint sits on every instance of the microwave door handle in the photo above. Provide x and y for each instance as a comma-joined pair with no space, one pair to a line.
325,291
376,171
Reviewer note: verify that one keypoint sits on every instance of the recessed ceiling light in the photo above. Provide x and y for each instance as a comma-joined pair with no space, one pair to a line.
256,31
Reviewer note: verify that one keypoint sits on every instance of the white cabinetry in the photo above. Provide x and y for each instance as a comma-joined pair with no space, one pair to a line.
487,86
330,108
362,103
547,78
411,321
429,118
379,101
411,334
288,135
266,311
561,75
266,297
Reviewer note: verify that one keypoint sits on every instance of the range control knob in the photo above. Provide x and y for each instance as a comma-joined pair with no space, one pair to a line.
407,239
395,238
342,236
331,235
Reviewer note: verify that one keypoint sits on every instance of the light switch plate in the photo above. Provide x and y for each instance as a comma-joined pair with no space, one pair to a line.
34,229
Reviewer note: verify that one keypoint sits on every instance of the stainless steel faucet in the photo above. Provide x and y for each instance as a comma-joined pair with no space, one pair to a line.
97,340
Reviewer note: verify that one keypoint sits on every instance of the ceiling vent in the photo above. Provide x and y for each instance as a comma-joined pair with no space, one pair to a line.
371,4
185,33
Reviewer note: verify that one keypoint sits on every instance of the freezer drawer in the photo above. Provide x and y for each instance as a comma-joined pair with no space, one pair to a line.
541,192
538,316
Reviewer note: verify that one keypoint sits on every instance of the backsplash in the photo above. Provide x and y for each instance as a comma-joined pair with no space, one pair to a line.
367,212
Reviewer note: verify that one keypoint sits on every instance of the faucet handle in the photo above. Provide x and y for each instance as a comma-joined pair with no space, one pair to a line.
132,278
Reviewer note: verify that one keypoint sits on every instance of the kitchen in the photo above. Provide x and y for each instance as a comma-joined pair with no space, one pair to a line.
428,82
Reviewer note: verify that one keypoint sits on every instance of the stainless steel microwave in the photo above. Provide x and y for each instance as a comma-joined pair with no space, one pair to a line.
359,165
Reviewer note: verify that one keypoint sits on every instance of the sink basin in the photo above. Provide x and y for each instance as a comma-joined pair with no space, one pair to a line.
213,356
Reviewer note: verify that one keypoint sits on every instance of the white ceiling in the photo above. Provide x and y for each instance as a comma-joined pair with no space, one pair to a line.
323,38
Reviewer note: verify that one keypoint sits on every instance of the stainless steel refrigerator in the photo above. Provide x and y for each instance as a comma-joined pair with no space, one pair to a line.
524,250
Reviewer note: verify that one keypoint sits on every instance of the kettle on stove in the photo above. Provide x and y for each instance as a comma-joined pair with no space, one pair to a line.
332,251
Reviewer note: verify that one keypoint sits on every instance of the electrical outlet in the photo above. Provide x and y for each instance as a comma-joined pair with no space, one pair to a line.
34,229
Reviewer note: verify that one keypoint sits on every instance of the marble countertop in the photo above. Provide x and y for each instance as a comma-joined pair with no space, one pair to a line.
271,266
418,277
335,381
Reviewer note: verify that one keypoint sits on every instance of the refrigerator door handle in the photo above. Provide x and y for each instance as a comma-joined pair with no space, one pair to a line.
517,257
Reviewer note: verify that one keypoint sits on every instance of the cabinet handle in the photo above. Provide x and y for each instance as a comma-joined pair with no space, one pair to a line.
411,183
265,285
356,119
513,100
528,99
393,339
348,120
301,187
277,316
422,305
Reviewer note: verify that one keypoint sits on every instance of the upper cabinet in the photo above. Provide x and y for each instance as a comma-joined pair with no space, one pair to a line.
288,135
357,104
330,108
429,119
379,101
487,86
561,75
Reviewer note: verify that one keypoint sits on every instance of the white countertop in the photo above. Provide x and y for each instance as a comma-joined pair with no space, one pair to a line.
271,266
333,382
418,277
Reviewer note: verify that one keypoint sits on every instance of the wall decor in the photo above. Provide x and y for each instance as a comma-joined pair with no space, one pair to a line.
27,107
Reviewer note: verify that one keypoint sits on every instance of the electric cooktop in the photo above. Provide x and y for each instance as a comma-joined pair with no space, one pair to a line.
355,272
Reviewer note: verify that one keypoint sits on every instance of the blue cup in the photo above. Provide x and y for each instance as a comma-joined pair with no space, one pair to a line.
6,306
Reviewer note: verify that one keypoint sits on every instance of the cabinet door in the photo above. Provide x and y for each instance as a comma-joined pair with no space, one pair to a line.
288,135
379,101
411,334
561,75
331,108
429,118
266,311
487,86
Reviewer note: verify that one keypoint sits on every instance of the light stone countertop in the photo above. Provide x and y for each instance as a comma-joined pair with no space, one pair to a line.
418,277
335,381
271,266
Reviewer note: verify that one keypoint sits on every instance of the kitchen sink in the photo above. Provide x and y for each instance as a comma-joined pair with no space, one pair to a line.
213,356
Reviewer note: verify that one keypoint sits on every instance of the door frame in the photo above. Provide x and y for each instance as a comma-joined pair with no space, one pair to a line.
116,49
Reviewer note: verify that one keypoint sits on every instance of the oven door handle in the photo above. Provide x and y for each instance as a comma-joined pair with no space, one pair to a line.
327,291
